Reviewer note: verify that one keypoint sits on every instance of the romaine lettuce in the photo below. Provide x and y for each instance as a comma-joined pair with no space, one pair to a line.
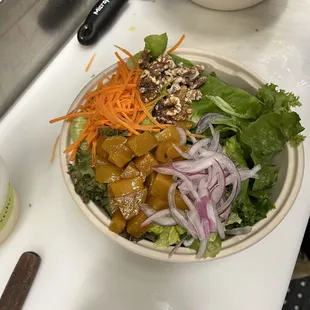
167,236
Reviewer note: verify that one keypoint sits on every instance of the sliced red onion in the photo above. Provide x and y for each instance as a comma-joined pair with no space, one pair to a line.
234,193
195,229
179,218
195,223
162,218
202,188
239,231
182,153
198,146
219,224
216,139
213,177
209,118
193,166
172,171
177,246
184,188
221,180
206,227
245,174
217,194
189,203
212,218
202,248
182,134
147,210
193,217
207,216
197,176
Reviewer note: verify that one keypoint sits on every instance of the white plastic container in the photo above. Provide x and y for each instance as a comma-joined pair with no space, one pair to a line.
227,5
9,204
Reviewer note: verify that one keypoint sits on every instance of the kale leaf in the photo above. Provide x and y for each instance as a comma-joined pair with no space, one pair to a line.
85,184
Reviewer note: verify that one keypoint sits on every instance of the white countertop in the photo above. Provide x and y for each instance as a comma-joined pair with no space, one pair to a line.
84,270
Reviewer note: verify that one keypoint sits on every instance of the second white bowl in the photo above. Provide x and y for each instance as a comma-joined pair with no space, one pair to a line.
227,5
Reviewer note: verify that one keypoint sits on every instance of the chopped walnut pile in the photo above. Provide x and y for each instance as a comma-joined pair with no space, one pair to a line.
182,86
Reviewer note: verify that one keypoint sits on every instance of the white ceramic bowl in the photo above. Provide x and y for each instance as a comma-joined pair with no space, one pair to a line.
227,5
291,162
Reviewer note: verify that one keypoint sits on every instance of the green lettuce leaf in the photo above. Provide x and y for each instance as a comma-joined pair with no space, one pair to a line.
234,152
233,218
156,44
156,229
269,133
267,177
262,207
231,100
202,107
251,208
243,206
275,99
177,59
260,195
213,247
296,140
167,235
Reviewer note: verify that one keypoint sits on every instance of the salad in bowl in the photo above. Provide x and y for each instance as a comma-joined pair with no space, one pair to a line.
162,154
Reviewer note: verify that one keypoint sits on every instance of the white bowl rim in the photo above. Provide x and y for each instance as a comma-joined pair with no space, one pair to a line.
231,246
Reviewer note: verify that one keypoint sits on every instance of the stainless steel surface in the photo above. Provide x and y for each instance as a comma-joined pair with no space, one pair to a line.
31,33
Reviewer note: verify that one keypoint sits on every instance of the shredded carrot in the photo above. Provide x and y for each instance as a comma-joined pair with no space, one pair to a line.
116,104
177,45
90,63
129,55
54,149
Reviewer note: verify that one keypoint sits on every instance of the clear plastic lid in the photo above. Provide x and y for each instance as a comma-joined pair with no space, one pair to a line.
4,183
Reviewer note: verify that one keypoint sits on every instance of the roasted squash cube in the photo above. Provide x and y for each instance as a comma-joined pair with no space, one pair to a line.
149,181
156,203
121,156
142,144
162,150
118,222
129,205
168,134
107,173
127,186
111,144
99,149
131,171
134,225
145,164
172,153
161,186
